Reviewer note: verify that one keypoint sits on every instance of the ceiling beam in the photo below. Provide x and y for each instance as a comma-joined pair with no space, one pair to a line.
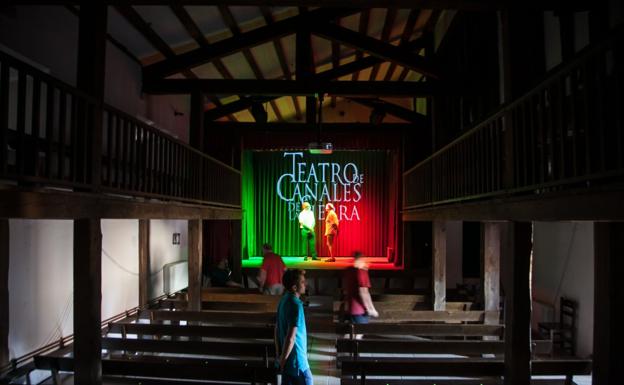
216,127
392,109
234,44
363,29
385,36
281,55
286,87
335,73
468,5
408,30
376,48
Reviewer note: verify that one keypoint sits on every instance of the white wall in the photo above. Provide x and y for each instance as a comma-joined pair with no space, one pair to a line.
563,265
120,266
163,251
40,283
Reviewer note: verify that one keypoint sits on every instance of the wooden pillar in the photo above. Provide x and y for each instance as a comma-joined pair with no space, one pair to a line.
518,303
90,79
144,262
236,234
4,292
439,265
87,301
608,298
194,263
304,67
491,271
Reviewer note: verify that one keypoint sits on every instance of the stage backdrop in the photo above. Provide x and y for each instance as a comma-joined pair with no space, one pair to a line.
362,185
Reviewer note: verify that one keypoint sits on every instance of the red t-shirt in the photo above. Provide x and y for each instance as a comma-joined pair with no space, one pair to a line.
274,267
354,280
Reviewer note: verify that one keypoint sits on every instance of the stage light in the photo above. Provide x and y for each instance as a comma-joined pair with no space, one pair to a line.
258,112
319,147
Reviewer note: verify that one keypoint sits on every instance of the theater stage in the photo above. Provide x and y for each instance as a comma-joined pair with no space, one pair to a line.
375,263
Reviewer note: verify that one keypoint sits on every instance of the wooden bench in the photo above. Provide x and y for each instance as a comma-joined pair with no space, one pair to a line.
236,371
129,326
422,330
181,304
390,346
451,367
211,316
400,316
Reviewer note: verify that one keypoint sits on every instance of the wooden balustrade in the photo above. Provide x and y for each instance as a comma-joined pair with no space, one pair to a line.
566,132
45,140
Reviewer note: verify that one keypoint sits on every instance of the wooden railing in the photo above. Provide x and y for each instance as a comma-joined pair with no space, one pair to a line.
46,139
567,132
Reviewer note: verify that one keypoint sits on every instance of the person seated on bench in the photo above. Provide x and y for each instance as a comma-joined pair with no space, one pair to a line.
271,271
358,302
221,275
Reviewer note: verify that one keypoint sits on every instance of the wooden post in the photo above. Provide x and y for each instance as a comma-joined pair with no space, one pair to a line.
491,270
608,298
304,67
439,265
518,304
144,262
4,292
194,263
90,79
87,301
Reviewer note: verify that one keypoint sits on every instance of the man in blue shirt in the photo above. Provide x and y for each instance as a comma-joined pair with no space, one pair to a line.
291,339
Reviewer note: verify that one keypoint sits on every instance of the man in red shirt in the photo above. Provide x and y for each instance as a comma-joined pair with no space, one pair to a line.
359,304
271,271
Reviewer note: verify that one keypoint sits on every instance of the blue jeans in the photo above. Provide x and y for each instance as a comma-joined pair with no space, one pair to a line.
304,378
359,318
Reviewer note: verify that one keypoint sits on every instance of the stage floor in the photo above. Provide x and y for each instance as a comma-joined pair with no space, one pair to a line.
375,263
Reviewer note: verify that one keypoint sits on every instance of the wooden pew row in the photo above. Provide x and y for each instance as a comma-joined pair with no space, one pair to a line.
211,316
384,346
394,316
129,326
236,371
452,367
423,330
259,350
409,304
180,304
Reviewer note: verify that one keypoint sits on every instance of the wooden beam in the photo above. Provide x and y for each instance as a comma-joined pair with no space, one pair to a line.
467,5
144,262
582,205
195,235
376,48
68,205
518,303
4,292
362,29
234,44
281,55
439,266
393,109
608,298
408,30
491,269
285,87
87,301
90,80
360,128
385,36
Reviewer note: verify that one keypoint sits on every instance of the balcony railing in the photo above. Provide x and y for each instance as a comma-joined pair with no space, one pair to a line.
567,132
46,139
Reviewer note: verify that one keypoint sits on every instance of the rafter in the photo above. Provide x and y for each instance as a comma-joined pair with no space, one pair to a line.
385,36
281,55
408,30
392,109
357,128
193,30
287,87
343,70
133,17
468,5
234,44
376,48
363,29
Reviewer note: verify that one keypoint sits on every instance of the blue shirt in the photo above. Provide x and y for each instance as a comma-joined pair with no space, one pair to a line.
290,314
